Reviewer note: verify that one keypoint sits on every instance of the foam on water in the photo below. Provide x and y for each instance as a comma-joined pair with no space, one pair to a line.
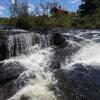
34,92
37,63
87,55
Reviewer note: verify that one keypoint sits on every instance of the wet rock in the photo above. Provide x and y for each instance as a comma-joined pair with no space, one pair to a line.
80,83
13,77
10,71
10,88
58,40
24,97
8,75
3,46
88,35
3,51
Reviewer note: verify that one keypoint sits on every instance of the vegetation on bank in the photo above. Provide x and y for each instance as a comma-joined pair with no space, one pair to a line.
87,17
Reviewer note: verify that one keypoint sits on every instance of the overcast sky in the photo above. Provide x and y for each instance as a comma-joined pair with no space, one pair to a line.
70,5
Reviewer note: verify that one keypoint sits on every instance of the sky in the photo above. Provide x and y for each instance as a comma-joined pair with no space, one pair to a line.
70,5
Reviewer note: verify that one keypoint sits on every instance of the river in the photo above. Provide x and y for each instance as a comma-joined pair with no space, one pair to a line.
53,66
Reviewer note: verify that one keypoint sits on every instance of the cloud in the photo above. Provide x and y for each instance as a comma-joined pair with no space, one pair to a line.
1,9
31,7
74,1
1,12
35,9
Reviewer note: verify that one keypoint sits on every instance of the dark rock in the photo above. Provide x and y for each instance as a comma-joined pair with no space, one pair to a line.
3,45
23,97
58,40
80,83
10,88
15,80
10,71
3,50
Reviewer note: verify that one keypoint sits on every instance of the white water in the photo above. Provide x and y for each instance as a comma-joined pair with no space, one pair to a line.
20,43
38,60
89,54
37,63
36,92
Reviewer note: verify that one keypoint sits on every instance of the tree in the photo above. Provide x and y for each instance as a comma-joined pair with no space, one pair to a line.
89,7
13,8
18,8
19,14
89,12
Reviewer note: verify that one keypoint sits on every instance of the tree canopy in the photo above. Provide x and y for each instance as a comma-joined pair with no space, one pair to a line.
89,7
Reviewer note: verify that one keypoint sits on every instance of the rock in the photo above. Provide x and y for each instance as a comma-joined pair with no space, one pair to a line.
11,87
3,45
80,83
58,40
10,71
10,79
3,50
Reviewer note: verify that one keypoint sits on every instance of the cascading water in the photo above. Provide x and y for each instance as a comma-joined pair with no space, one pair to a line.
37,63
32,51
63,66
20,43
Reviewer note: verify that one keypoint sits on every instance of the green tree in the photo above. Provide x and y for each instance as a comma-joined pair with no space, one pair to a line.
89,15
89,7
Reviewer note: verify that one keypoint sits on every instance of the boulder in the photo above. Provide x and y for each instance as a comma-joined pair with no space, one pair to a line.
58,40
10,71
82,82
13,85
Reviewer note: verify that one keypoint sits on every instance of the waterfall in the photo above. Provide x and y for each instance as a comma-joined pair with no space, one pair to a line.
37,63
34,52
60,66
20,43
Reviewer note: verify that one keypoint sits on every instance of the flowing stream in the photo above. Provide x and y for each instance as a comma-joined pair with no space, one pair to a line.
50,70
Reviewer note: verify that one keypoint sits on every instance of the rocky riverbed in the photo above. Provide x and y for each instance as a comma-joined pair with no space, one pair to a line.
55,66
